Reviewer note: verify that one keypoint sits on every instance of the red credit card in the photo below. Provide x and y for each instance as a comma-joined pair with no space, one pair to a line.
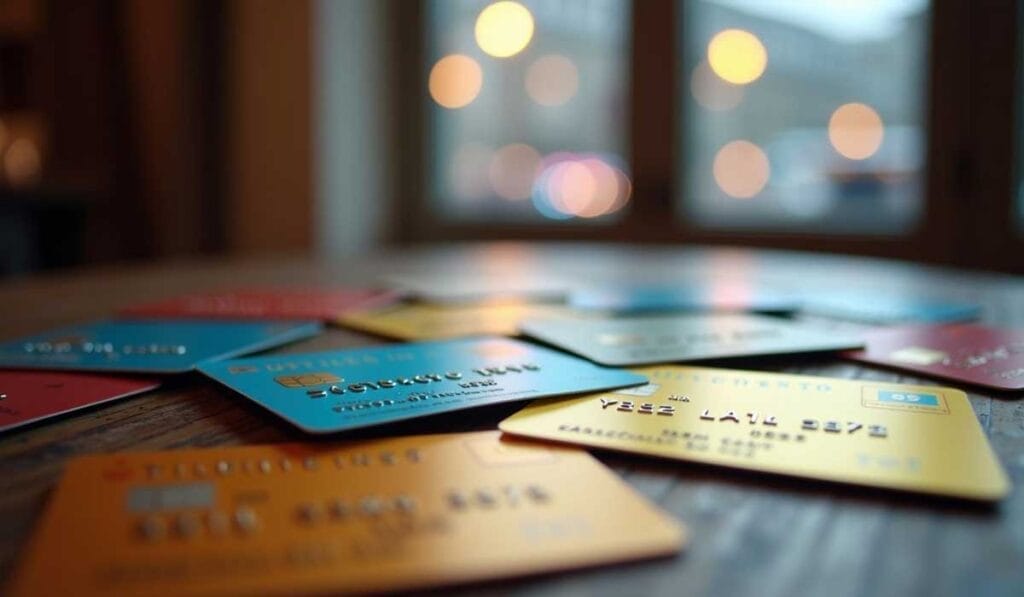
29,396
291,303
969,353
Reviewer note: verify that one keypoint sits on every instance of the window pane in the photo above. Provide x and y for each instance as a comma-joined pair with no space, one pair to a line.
803,115
527,109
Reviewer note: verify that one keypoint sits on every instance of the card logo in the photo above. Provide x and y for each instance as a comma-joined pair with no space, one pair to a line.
924,402
307,380
919,399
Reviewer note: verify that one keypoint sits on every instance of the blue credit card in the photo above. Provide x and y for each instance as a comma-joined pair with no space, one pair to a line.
341,390
884,308
680,297
147,346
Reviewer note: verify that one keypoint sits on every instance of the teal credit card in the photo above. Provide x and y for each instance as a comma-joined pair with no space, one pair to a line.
334,391
627,341
664,298
886,308
147,346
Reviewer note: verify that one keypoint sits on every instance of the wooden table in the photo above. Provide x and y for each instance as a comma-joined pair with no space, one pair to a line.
750,534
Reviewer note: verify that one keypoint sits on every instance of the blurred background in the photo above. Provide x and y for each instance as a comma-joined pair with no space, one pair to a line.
155,129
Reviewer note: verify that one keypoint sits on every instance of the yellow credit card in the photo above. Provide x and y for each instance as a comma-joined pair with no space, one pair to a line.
421,321
356,517
914,438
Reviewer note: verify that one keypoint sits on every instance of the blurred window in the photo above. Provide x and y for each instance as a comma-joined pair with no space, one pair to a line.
1019,165
803,115
527,109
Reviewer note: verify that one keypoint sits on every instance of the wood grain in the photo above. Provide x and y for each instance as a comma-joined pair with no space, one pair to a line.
750,533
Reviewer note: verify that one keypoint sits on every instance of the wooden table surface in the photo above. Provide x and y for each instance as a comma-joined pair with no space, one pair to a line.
750,533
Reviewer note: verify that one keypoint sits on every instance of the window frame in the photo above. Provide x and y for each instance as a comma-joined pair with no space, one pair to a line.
969,216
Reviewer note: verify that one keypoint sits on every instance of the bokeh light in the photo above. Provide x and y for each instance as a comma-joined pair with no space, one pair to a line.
737,56
585,186
856,131
541,196
468,172
571,187
504,28
455,81
606,188
741,169
552,80
3,135
512,171
22,162
712,92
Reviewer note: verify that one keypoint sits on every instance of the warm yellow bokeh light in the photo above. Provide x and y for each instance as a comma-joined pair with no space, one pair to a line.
455,81
737,56
552,80
741,169
711,92
856,131
513,170
504,28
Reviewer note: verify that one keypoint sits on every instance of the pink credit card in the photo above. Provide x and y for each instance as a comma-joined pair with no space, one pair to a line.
970,353
290,303
29,396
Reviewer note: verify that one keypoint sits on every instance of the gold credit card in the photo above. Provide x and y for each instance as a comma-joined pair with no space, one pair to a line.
355,517
914,438
419,321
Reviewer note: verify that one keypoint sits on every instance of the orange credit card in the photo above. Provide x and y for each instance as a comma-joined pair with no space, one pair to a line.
356,517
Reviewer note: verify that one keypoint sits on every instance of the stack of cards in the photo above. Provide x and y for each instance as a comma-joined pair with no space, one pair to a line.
417,512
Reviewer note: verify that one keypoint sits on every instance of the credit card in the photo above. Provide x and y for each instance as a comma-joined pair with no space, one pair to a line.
30,396
291,303
886,309
974,354
664,298
147,346
358,517
326,392
644,340
418,321
914,438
